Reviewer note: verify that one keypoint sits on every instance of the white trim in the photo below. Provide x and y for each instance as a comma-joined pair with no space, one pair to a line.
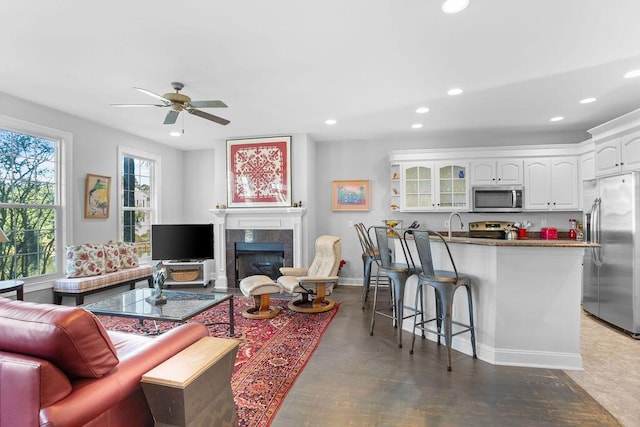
477,153
64,188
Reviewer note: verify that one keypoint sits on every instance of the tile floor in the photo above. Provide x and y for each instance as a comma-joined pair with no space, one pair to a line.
611,374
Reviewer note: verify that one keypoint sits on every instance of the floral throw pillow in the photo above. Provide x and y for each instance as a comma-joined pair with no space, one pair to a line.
112,257
85,260
128,254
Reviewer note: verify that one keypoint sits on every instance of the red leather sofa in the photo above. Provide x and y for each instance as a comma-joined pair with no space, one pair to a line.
60,367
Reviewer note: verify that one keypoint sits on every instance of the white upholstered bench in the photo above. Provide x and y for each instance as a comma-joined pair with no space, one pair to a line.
78,287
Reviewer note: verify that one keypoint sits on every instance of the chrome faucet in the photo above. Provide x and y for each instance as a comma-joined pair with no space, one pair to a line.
451,217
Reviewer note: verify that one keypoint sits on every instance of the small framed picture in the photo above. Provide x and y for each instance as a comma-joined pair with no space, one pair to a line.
352,195
96,198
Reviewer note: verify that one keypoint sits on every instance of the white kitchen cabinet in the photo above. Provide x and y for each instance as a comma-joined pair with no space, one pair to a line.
433,186
586,172
618,155
496,172
551,183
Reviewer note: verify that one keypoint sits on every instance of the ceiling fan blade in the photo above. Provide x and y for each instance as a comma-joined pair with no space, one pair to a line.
171,117
208,116
208,104
155,95
139,105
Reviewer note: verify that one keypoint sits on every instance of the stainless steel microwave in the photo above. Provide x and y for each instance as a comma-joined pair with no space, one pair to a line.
497,198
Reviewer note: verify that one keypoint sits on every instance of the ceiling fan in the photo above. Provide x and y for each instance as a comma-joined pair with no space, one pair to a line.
179,102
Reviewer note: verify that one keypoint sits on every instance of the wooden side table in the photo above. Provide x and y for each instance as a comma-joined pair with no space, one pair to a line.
193,388
13,285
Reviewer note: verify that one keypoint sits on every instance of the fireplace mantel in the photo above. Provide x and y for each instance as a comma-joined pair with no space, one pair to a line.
254,219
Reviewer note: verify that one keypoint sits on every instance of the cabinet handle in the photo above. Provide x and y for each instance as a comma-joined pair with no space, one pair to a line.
617,164
621,163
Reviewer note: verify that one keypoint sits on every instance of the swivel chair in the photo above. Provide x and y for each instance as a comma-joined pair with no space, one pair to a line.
315,283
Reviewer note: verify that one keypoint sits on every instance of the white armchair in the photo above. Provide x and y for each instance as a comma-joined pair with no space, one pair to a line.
317,281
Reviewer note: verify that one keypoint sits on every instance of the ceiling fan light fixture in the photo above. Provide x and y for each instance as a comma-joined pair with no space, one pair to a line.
454,6
631,74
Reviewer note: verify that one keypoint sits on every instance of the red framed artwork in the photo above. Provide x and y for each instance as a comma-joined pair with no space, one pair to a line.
259,172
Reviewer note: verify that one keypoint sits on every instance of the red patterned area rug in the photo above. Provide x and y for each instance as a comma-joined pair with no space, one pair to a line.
271,355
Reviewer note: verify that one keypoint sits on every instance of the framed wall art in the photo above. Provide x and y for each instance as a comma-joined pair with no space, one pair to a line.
259,172
96,198
351,195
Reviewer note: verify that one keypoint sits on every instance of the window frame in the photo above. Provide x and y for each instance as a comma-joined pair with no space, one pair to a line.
64,189
155,185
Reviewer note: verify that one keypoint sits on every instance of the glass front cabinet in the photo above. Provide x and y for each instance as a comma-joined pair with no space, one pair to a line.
433,186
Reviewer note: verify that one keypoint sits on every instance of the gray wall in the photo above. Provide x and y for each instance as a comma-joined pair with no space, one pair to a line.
192,182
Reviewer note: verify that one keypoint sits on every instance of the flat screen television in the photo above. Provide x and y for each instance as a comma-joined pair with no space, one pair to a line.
181,242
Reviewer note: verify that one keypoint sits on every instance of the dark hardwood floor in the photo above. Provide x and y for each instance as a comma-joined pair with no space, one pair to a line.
354,379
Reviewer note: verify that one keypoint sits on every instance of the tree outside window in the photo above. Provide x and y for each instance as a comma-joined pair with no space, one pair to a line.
28,209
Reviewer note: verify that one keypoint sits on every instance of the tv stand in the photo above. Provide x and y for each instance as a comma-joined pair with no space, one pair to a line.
202,266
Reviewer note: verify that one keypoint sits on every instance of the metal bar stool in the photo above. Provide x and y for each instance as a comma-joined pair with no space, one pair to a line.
397,274
370,255
445,284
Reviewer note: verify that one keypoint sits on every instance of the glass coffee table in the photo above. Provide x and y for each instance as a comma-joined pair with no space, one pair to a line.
180,306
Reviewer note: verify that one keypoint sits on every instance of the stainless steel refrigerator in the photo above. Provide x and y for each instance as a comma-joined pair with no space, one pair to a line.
611,281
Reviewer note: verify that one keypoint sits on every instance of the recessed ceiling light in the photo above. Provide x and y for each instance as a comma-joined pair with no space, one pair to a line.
556,119
174,133
587,100
631,74
416,125
454,91
454,6
331,122
422,110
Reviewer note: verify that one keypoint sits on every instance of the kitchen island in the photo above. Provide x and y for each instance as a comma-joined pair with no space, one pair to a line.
526,295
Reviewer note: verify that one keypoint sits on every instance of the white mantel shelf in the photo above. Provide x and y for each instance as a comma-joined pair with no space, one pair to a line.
276,218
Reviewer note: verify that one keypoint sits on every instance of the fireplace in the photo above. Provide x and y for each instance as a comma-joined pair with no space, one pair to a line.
254,258
256,225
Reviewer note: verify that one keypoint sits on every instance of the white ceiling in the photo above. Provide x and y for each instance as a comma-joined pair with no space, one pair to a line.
285,66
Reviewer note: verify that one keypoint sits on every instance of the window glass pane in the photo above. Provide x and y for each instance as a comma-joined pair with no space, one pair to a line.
28,176
137,203
30,250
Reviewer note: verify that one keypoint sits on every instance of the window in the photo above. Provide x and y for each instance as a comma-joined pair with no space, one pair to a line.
31,201
138,198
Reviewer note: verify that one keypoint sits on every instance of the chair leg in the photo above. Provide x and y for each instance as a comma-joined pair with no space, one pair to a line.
366,281
399,306
472,328
375,301
447,308
420,296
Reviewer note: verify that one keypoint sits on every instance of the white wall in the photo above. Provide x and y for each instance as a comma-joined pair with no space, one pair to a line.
95,150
